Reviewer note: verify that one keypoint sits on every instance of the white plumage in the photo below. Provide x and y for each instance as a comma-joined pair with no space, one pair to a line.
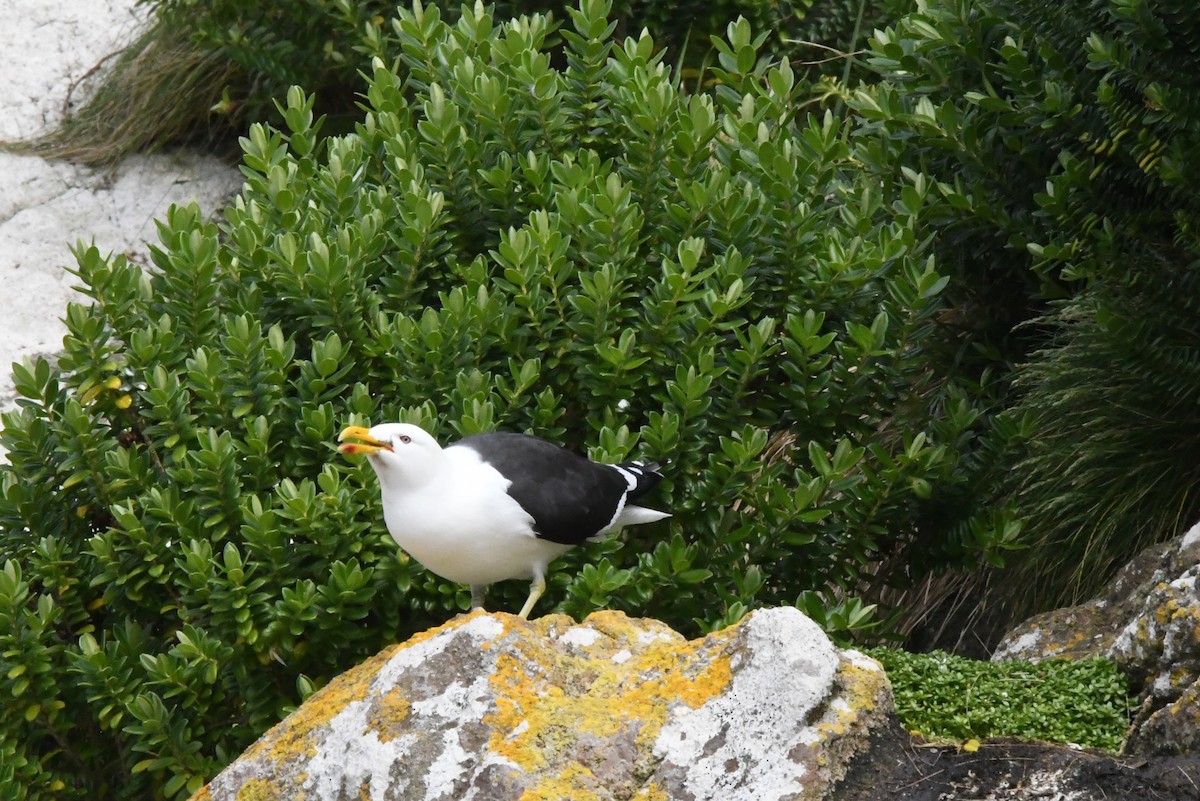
496,506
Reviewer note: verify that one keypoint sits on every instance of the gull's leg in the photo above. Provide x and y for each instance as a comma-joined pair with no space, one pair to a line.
477,592
536,588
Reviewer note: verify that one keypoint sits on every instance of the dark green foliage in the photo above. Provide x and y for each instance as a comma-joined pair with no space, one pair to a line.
271,46
1085,702
317,44
1061,141
581,253
1113,408
988,156
205,69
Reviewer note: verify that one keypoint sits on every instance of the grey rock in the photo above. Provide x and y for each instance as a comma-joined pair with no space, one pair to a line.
494,707
1148,621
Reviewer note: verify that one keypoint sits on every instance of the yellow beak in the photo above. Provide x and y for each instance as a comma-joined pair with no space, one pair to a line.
366,443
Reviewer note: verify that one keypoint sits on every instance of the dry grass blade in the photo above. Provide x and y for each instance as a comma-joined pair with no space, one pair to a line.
160,89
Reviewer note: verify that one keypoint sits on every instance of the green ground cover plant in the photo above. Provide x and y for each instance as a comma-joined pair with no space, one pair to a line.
941,696
710,280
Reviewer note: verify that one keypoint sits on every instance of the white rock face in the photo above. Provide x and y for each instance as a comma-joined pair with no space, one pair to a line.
738,743
46,206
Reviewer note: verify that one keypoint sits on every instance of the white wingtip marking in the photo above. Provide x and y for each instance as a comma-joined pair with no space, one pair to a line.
631,479
636,515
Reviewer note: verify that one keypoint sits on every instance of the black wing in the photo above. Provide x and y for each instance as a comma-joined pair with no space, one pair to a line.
569,497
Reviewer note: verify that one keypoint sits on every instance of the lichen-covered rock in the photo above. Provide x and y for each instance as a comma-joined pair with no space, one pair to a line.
493,707
1160,651
1148,621
1091,628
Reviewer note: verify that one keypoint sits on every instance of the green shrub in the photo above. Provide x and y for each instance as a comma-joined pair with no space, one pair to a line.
593,258
204,70
311,43
1085,702
1061,144
1113,402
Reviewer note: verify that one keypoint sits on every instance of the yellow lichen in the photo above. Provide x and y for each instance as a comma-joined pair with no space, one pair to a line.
591,695
549,698
862,683
574,782
651,792
388,714
861,686
293,738
258,789
1165,611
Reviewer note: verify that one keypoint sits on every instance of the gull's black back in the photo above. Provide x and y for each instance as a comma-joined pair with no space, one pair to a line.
569,497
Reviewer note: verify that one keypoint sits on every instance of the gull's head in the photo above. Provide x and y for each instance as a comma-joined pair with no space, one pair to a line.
395,450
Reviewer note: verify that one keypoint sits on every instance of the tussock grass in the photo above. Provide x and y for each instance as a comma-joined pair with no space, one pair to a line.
161,89
1116,403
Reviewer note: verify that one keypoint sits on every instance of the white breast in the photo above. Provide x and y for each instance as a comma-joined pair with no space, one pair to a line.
465,527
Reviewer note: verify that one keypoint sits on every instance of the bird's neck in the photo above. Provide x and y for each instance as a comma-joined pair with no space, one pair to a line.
409,477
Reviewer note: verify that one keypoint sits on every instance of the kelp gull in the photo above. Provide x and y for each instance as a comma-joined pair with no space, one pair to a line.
496,506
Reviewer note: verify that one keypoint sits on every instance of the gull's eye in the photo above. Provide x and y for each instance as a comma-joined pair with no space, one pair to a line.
405,439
